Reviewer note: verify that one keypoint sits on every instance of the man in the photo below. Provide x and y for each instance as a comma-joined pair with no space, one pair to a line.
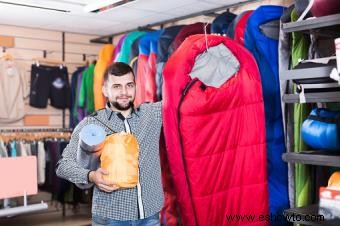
112,206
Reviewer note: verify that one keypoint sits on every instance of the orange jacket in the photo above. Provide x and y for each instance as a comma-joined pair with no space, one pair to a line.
104,60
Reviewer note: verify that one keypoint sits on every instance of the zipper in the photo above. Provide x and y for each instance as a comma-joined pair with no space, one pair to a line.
139,187
184,93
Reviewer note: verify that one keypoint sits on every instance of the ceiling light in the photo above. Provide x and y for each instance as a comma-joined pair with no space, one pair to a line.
103,5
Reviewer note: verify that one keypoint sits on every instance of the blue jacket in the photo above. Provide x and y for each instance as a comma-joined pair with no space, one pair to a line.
265,51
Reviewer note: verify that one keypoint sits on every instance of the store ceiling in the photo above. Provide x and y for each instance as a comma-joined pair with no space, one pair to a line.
50,14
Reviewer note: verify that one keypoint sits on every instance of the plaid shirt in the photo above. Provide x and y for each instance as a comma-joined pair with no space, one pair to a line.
123,204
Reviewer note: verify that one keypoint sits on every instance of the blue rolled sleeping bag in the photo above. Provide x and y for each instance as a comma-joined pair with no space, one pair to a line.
321,129
91,141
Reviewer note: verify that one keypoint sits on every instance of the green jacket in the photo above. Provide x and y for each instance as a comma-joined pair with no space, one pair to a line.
86,96
126,47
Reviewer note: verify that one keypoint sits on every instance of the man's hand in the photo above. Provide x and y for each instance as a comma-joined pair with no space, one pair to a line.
97,178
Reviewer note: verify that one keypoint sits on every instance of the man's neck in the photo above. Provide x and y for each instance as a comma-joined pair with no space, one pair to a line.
125,113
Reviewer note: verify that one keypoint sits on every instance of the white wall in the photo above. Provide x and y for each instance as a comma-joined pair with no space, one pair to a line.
29,44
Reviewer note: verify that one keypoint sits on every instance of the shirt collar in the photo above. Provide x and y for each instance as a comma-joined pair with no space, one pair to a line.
110,112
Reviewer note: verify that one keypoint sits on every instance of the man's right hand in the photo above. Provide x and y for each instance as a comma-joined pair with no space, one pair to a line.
97,178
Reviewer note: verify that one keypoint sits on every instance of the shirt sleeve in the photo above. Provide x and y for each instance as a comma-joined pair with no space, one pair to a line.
68,167
157,110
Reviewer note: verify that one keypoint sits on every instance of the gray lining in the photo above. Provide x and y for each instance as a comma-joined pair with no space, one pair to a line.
215,66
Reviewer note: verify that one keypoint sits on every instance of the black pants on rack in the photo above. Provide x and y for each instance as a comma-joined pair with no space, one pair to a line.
49,83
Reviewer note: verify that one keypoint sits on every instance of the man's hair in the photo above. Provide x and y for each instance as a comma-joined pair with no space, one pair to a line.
117,69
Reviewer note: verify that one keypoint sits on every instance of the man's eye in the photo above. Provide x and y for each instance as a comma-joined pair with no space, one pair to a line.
115,87
131,85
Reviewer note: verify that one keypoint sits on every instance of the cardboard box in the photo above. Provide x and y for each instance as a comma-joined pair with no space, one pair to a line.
329,205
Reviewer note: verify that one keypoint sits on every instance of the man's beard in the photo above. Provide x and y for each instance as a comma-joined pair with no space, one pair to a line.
121,107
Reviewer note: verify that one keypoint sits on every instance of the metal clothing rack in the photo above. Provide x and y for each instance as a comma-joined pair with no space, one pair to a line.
37,130
32,135
35,207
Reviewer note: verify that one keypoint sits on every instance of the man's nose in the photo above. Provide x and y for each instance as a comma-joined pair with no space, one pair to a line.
123,90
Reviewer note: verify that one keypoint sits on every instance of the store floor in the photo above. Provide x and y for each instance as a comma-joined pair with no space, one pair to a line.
80,216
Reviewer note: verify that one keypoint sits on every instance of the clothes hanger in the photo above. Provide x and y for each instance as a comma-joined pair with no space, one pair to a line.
308,8
206,37
48,62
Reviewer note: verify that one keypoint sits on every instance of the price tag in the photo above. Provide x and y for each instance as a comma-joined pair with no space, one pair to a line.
302,96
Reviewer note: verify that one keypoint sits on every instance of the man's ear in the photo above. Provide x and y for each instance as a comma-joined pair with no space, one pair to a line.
105,92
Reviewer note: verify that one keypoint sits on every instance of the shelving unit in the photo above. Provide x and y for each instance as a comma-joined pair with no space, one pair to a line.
313,158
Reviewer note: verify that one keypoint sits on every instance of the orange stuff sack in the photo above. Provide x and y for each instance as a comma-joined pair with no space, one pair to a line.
334,180
120,157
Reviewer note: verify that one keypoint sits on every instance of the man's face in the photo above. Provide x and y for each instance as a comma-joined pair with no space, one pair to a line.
120,91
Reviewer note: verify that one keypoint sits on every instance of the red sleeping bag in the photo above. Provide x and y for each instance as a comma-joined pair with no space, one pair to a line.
215,137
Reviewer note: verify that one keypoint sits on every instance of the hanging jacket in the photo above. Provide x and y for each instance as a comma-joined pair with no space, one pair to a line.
104,60
215,134
146,69
81,110
164,42
231,27
287,87
118,47
240,27
126,46
86,90
265,51
186,31
221,23
12,92
73,95
133,58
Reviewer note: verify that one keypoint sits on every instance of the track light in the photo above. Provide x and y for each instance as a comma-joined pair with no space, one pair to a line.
103,5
